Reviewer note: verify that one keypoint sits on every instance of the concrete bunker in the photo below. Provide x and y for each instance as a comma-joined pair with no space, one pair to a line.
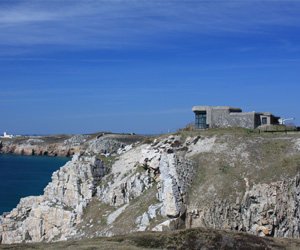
223,117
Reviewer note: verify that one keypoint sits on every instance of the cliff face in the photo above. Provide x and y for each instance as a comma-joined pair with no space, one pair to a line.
67,145
265,210
52,215
250,185
236,181
52,146
86,198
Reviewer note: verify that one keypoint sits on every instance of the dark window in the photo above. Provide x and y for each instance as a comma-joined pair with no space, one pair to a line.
264,120
200,120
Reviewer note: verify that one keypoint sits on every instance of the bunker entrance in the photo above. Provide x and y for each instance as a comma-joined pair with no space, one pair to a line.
200,122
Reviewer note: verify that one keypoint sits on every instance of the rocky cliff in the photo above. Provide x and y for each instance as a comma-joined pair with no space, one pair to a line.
226,180
67,145
52,215
265,210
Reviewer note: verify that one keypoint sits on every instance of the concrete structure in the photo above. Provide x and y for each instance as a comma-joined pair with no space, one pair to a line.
223,117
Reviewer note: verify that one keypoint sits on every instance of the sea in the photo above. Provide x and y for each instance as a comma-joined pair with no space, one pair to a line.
22,176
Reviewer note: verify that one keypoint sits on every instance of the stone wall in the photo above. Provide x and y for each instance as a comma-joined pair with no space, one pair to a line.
223,118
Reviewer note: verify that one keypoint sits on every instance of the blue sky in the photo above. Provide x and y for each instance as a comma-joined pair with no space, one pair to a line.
84,66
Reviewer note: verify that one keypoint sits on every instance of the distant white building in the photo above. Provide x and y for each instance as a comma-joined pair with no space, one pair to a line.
6,135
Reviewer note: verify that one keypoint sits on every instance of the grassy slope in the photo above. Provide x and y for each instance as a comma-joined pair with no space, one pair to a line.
96,214
200,238
261,158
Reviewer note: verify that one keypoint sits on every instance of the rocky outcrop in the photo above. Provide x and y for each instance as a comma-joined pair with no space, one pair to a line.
265,210
105,146
244,183
176,176
67,145
75,140
53,215
40,147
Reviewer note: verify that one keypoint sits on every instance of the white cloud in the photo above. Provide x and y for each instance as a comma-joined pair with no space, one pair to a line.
117,24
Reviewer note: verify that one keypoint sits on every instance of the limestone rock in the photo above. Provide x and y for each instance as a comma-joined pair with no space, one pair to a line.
104,145
266,210
170,225
53,215
65,145
76,140
176,176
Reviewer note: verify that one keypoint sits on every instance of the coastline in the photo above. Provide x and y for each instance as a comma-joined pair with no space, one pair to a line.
23,176
66,145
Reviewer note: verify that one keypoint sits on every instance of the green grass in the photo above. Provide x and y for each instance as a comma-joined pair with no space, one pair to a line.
109,160
277,128
239,131
221,174
97,212
126,221
218,131
198,238
215,177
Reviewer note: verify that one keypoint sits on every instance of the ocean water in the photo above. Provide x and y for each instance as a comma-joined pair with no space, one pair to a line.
22,176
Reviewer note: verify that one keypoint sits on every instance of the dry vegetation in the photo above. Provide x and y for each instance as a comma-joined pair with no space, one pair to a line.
192,239
95,217
260,157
